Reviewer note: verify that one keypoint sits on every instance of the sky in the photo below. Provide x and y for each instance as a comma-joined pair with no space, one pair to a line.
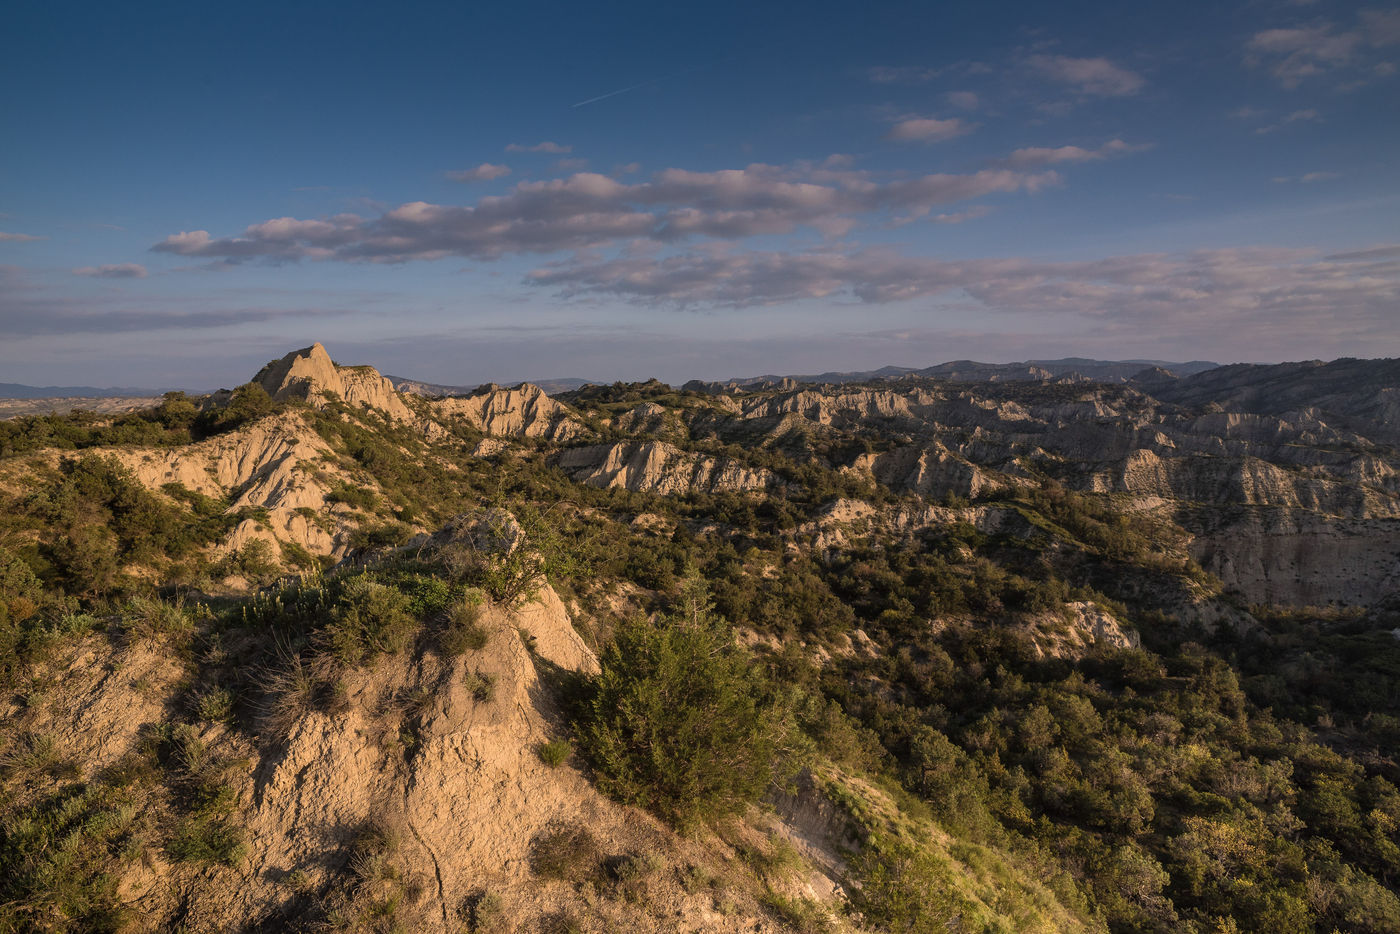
470,192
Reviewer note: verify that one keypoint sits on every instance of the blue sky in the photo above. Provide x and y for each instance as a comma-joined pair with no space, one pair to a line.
465,193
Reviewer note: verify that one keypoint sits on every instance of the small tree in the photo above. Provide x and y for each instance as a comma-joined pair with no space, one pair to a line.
510,556
680,720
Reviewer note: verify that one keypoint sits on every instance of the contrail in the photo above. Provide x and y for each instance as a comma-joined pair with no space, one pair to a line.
603,97
674,74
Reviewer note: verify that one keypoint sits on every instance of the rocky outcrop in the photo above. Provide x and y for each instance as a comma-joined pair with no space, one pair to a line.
930,471
840,408
436,757
1100,627
522,412
651,420
658,467
309,375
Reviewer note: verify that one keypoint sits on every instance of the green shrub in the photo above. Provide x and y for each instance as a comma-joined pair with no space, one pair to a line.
247,403
58,857
680,720
370,618
486,913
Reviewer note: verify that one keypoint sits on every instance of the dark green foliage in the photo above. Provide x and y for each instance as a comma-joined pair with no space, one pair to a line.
248,403
680,720
200,780
464,632
908,889
355,496
254,561
99,521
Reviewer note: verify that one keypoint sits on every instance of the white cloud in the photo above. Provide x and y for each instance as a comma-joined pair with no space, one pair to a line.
1097,77
1307,178
18,237
1034,156
482,173
113,271
546,146
904,74
930,129
1298,54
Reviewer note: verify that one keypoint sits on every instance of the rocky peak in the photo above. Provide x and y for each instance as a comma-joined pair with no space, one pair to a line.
309,374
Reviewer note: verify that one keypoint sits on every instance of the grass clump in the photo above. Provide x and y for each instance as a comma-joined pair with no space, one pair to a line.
554,752
486,913
566,852
57,856
480,685
149,618
207,832
464,632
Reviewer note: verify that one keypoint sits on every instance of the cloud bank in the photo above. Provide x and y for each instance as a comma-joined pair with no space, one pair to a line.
591,210
1206,289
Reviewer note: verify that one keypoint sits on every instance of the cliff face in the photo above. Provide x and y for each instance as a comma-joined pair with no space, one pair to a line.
523,412
263,466
657,467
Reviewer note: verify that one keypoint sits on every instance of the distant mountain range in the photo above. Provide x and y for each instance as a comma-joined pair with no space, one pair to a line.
20,391
973,371
959,370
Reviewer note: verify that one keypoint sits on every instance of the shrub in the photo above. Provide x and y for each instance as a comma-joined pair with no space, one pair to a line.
215,705
253,561
370,618
247,403
486,913
680,719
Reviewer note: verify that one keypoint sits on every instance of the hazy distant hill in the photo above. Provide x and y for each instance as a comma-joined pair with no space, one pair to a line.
20,391
421,388
973,371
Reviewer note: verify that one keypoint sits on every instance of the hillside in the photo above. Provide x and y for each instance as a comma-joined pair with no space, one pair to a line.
961,650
